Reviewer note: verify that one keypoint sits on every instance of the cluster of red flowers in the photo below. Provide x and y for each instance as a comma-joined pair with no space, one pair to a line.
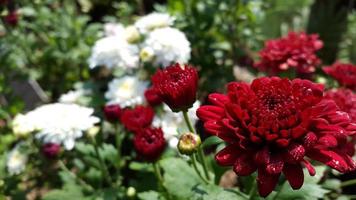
345,74
275,126
176,86
296,50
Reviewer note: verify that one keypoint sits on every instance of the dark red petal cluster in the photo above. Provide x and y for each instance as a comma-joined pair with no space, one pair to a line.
345,74
152,97
137,118
112,112
272,125
296,51
51,150
177,86
12,18
149,143
345,99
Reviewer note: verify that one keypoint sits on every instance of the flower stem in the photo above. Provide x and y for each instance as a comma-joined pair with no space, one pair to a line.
103,168
158,174
119,136
195,166
348,183
74,176
253,190
200,149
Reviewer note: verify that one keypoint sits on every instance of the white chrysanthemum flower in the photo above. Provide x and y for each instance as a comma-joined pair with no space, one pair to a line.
113,29
114,51
154,20
126,91
22,125
16,161
73,96
168,45
173,123
61,123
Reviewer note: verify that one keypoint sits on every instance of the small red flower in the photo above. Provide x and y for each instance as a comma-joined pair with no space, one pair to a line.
112,112
137,118
296,50
149,143
177,86
272,125
51,150
345,74
12,18
152,97
345,99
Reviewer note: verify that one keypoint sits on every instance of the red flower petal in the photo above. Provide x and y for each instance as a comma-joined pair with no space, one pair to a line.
207,112
228,155
266,182
294,175
329,158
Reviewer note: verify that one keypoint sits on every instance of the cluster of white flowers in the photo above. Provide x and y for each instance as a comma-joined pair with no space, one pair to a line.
126,91
16,161
57,123
122,47
173,123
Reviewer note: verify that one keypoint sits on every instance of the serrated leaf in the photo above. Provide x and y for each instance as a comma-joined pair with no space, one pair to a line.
309,191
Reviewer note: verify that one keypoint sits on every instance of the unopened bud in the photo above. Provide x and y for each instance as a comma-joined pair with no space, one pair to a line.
189,143
93,131
131,192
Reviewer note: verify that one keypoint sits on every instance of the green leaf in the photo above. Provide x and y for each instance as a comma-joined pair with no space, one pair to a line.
179,178
309,191
69,191
211,141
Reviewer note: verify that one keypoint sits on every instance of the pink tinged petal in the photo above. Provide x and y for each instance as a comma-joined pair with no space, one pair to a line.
294,175
309,167
218,99
244,165
266,182
275,165
328,141
309,140
330,158
208,113
227,156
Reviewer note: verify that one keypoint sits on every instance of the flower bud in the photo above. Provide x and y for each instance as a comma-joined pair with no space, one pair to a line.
131,192
112,112
189,143
93,131
131,34
146,54
51,150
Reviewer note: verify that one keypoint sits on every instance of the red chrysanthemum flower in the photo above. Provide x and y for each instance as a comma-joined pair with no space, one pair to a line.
12,18
152,97
149,143
345,99
177,86
112,112
51,150
273,124
345,74
296,50
137,118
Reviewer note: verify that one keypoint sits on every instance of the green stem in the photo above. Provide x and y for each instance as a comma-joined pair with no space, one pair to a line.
200,149
103,168
158,174
119,136
195,166
74,176
348,183
253,190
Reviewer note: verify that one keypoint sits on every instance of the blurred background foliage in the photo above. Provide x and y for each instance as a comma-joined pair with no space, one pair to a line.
51,40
